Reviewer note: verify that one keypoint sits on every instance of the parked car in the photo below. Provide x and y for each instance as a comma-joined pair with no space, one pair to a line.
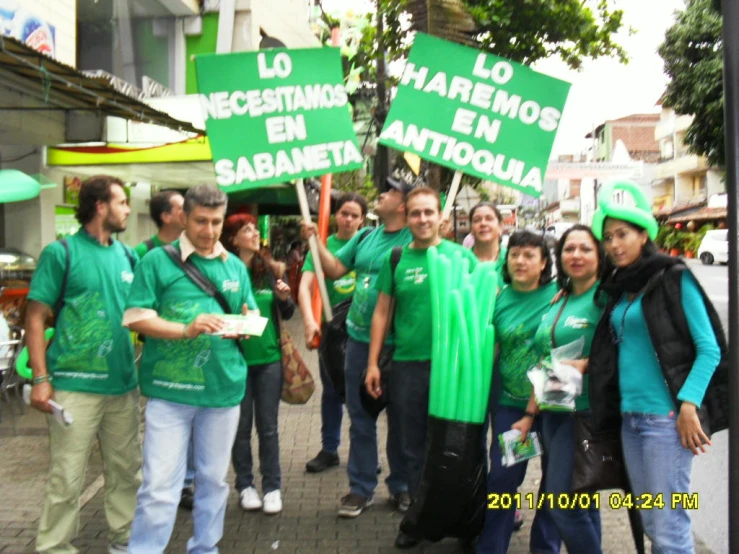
714,247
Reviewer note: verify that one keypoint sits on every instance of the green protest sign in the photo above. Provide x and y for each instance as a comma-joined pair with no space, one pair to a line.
477,113
277,115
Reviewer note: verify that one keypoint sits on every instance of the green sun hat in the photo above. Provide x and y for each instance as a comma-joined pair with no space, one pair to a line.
640,215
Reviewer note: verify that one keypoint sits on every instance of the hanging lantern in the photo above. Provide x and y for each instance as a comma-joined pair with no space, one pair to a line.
690,226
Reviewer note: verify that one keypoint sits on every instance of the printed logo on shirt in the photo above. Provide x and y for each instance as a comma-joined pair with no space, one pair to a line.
415,275
577,322
230,286
126,276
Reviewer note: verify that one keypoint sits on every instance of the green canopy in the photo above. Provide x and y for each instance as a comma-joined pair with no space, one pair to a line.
16,186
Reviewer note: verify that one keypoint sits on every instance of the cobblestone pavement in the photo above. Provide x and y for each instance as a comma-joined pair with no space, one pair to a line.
308,523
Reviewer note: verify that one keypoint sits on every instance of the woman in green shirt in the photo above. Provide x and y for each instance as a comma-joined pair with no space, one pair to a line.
518,312
264,377
580,263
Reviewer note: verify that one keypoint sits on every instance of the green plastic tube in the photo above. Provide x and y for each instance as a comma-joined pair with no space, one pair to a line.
476,336
432,257
454,359
465,370
445,346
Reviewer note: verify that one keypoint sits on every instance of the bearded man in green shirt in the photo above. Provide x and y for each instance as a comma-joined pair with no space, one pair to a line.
88,368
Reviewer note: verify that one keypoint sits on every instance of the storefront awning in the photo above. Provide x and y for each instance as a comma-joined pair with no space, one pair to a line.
704,214
64,88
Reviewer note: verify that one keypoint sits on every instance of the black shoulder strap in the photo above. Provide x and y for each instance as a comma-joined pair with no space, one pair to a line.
65,277
197,277
394,261
149,244
129,255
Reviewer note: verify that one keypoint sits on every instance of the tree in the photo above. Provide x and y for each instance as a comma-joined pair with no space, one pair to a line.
693,56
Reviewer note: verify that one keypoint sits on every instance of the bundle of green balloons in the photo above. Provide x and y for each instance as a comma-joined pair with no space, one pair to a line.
462,305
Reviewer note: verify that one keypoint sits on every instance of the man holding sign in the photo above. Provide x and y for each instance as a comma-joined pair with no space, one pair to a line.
365,254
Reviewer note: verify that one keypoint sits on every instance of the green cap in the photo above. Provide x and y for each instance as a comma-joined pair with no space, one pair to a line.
640,215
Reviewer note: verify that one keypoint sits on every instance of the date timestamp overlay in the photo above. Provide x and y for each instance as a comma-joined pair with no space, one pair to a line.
585,501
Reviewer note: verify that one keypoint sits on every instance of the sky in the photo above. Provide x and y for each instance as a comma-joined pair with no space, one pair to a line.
603,89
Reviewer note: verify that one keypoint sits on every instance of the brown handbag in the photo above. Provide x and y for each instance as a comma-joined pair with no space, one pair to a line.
297,382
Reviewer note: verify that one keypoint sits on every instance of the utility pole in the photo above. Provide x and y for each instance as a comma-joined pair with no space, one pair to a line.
730,10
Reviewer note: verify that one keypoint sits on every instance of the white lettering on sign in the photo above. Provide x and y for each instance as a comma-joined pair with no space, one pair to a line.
282,99
463,153
286,128
501,72
266,165
282,66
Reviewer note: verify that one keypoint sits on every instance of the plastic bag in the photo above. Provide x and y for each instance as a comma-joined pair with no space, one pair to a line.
516,451
556,384
450,501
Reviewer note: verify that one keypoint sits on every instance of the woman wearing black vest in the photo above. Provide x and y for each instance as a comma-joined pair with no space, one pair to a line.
657,366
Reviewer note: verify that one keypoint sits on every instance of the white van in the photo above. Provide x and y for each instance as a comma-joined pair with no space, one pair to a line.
714,247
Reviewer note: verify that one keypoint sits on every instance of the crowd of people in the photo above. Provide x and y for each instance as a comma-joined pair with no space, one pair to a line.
653,365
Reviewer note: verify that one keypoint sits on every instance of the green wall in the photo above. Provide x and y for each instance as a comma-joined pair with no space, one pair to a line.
203,44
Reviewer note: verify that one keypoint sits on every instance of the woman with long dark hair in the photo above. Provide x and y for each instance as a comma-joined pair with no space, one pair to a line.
264,378
518,312
580,263
657,366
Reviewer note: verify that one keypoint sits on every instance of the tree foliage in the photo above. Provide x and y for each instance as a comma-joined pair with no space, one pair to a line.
693,56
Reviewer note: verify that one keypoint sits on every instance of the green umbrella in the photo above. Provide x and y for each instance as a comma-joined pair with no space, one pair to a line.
16,186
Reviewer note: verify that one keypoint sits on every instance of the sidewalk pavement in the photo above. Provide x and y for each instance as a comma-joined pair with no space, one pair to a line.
307,525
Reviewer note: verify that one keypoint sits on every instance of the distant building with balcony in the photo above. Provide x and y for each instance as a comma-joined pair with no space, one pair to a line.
635,131
681,179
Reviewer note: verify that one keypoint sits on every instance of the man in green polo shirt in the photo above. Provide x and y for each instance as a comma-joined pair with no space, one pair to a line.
165,209
89,367
365,254
194,379
408,285
351,210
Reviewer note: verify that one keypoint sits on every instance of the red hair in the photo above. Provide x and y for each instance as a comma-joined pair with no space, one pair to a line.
233,224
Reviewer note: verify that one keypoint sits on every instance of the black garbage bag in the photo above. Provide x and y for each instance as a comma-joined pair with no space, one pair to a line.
333,346
451,500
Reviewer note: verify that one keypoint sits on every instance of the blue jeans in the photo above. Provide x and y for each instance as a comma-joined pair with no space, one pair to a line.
579,528
410,394
362,466
496,534
261,405
332,411
169,427
657,463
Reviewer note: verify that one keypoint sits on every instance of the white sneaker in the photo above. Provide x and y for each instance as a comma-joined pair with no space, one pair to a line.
272,502
250,499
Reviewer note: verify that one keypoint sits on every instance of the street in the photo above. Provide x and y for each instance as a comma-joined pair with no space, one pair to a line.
711,470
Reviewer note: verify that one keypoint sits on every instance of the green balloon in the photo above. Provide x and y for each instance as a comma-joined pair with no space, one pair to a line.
640,215
21,362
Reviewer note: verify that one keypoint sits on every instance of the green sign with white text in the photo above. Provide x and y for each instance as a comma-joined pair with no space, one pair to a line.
477,113
276,115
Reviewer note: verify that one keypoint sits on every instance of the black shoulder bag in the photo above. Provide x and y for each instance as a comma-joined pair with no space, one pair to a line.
201,281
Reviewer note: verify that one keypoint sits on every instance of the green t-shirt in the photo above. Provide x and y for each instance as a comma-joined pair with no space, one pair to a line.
578,319
142,248
413,299
367,257
516,319
265,349
208,371
339,289
91,351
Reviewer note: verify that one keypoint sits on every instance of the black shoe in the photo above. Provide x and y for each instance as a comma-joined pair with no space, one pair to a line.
518,521
186,499
354,504
401,501
321,462
405,541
